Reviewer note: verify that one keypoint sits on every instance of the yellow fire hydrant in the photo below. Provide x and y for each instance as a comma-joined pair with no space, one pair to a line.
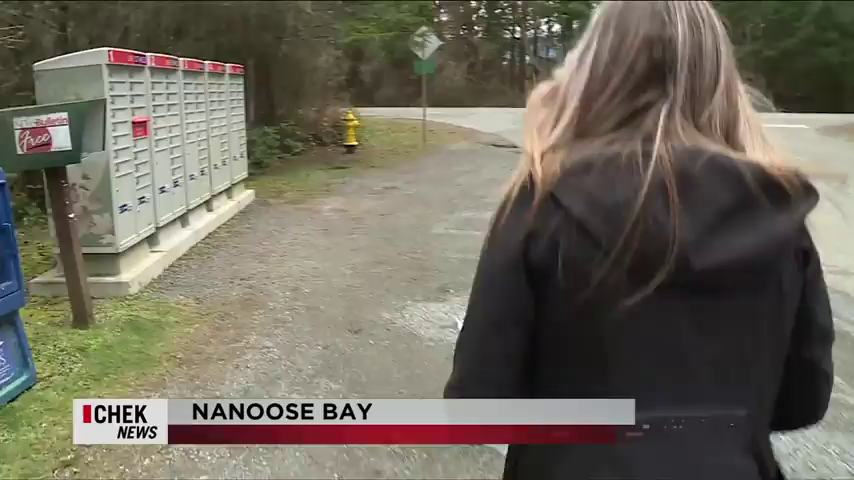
350,140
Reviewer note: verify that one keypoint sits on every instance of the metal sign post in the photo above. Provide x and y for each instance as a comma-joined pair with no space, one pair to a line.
424,43
50,137
424,108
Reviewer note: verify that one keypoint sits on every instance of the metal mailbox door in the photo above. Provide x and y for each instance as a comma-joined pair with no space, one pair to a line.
12,293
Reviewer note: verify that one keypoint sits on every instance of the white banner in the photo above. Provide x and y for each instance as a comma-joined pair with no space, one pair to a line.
42,133
404,412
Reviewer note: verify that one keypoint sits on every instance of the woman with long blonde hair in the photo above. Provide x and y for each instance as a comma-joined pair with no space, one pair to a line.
652,245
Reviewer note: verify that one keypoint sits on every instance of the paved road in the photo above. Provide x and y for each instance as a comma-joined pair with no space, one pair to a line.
826,451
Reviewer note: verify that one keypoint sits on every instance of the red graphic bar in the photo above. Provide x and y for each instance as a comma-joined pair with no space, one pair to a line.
126,57
87,413
163,61
325,434
216,67
190,64
236,69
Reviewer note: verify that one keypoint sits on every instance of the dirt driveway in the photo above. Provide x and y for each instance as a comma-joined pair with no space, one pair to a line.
352,295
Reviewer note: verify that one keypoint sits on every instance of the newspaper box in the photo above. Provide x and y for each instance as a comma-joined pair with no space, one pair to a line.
17,372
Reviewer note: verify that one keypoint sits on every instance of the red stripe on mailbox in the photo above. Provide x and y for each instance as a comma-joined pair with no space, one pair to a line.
216,67
190,64
163,61
126,57
236,69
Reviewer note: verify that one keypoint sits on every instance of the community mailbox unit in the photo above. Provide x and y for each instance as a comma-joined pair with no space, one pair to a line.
114,187
165,174
170,196
237,122
195,121
218,126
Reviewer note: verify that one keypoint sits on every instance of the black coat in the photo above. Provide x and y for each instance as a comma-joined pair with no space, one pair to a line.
739,334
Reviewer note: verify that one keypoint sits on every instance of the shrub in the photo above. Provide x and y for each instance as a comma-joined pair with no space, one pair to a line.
293,140
264,145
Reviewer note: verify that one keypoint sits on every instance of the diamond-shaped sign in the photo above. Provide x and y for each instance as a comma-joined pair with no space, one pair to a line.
424,42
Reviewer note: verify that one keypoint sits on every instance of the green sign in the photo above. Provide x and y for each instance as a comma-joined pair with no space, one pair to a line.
425,67
51,135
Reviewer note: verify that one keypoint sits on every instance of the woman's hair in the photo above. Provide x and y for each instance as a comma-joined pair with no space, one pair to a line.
659,74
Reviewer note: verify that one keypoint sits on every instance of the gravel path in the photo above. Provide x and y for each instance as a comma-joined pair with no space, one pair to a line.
357,295
353,295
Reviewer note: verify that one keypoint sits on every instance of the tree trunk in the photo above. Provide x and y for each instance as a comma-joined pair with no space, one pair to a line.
63,37
265,110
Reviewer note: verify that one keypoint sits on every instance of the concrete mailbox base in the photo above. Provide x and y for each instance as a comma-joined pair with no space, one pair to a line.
125,273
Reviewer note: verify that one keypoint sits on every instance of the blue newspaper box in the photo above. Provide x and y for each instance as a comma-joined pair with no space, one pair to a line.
17,371
12,293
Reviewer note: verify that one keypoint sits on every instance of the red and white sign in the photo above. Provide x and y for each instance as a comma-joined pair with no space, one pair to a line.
42,133
216,67
191,64
163,61
126,57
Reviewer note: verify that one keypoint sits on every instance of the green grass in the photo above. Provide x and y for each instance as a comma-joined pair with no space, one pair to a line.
383,142
133,338
34,245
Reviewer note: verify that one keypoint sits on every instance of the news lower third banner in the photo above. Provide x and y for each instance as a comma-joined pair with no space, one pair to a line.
349,422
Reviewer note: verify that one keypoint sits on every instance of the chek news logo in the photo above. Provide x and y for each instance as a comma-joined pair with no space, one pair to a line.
130,419
126,421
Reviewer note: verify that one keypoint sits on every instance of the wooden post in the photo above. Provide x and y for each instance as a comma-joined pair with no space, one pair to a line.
70,253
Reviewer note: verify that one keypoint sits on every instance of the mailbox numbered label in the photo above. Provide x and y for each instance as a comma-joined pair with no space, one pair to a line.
42,133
